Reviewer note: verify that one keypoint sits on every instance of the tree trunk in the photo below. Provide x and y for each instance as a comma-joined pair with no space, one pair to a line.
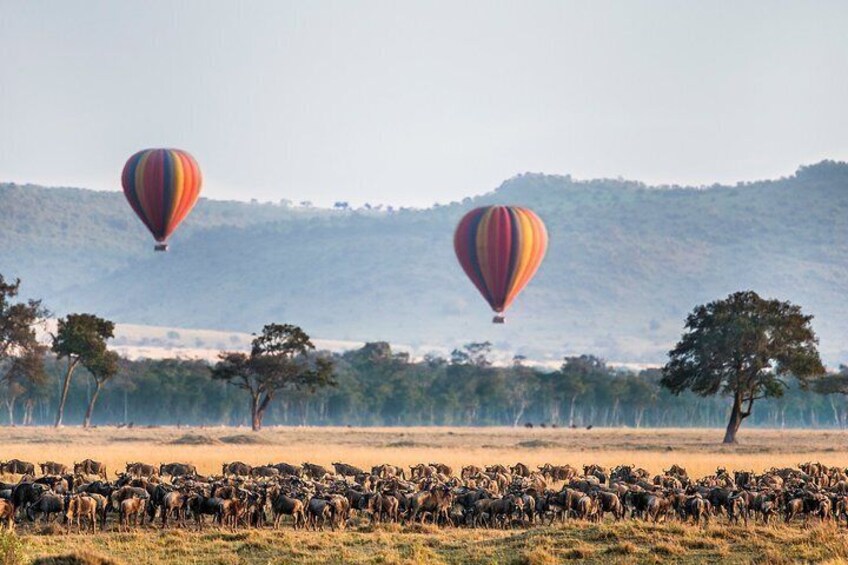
255,416
571,412
10,404
735,419
519,414
72,364
28,407
90,410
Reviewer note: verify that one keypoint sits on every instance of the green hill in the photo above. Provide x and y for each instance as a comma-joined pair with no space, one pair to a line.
626,263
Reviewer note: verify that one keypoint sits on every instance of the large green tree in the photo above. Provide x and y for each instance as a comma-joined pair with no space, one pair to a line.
281,357
21,354
745,347
81,339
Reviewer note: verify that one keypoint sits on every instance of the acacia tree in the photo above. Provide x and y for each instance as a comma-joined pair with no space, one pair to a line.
101,368
281,357
81,338
743,346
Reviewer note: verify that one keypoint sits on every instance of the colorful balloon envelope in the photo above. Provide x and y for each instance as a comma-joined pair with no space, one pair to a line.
162,186
500,248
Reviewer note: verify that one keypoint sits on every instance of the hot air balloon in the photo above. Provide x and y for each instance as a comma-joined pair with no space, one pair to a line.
500,248
162,186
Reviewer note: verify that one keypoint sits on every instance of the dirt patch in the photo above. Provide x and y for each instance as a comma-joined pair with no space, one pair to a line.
536,443
245,439
194,439
404,443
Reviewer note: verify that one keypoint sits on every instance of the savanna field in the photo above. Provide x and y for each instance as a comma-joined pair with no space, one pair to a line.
627,541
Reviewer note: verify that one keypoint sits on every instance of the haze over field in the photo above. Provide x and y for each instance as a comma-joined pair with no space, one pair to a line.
626,263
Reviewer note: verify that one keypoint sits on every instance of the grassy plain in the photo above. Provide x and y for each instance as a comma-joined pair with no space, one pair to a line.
698,450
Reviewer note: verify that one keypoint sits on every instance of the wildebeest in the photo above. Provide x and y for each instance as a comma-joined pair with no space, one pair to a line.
138,469
236,468
90,467
283,504
25,494
287,469
264,471
81,507
7,514
314,471
177,469
130,510
17,467
346,470
53,468
47,505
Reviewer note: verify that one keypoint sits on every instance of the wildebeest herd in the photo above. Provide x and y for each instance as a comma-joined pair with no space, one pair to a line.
311,496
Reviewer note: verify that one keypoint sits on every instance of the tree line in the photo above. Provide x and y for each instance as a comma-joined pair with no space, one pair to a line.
735,351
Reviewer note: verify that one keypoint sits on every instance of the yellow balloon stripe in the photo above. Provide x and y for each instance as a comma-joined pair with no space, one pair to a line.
178,186
523,245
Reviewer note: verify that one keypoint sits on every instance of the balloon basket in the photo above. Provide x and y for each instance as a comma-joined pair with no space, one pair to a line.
498,319
160,247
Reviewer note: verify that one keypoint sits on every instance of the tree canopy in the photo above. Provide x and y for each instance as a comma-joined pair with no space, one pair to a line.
281,358
746,347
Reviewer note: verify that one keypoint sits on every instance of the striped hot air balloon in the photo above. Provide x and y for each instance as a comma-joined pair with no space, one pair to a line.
162,186
500,248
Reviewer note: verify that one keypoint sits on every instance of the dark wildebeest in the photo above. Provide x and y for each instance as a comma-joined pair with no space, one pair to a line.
90,467
283,504
314,471
236,468
386,471
47,505
138,469
201,506
25,494
346,470
697,507
177,469
264,471
287,469
520,469
318,512
17,467
53,468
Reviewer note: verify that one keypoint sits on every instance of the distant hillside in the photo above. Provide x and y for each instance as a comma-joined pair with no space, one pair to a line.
625,265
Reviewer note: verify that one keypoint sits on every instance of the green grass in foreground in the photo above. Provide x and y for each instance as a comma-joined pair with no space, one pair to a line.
629,542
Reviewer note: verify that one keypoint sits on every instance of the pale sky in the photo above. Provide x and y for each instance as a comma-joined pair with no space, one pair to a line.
410,103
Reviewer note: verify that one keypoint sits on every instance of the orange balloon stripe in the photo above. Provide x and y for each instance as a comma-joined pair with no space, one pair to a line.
536,246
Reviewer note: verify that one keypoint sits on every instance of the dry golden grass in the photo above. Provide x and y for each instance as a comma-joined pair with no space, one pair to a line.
628,542
654,449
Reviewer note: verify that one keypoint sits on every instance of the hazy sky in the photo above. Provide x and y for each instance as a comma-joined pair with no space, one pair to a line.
415,102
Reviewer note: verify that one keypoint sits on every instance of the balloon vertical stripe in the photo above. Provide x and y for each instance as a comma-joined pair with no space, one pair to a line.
500,248
161,186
